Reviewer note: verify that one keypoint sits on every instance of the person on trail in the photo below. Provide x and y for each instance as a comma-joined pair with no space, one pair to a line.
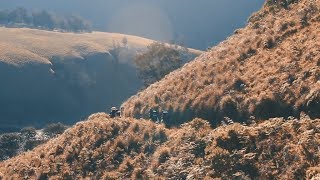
118,113
165,117
150,113
113,112
122,111
153,115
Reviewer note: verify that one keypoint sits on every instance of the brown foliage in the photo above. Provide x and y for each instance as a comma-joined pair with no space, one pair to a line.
268,69
274,149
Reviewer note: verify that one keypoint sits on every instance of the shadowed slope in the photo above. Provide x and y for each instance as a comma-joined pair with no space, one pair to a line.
268,69
52,76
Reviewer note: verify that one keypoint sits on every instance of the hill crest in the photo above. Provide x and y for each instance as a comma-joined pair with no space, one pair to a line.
23,45
268,69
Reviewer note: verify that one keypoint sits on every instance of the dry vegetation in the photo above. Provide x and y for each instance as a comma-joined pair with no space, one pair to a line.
24,46
269,69
103,148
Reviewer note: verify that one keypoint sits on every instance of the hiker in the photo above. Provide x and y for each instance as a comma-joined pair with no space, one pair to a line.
118,113
165,117
228,121
113,112
153,115
122,112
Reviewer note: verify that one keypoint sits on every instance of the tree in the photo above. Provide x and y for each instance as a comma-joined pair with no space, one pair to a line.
124,41
43,19
77,24
19,15
158,61
9,145
3,17
54,129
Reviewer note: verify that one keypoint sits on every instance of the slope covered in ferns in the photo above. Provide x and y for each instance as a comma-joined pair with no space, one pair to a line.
104,148
271,68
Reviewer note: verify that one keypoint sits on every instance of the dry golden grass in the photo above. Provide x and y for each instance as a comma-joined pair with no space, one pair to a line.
271,68
104,148
21,45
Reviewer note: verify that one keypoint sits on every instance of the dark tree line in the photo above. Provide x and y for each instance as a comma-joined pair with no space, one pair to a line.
21,17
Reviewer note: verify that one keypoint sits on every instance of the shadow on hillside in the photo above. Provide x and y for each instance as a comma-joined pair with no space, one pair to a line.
66,91
265,109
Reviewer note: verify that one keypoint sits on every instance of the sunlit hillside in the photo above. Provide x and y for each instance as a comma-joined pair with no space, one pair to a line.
23,46
271,68
104,148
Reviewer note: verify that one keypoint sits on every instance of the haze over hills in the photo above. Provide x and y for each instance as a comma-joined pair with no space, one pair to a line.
52,76
199,24
268,69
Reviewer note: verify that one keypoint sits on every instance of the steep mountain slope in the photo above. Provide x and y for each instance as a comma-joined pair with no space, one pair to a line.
52,76
271,68
103,148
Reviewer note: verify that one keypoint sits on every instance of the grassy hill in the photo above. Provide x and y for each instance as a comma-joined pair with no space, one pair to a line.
23,45
52,76
271,68
104,148
268,69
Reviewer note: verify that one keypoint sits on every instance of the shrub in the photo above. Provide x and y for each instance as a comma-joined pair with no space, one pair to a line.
199,148
229,107
160,136
54,129
9,145
28,132
164,155
158,61
268,43
32,143
232,142
239,85
312,104
138,173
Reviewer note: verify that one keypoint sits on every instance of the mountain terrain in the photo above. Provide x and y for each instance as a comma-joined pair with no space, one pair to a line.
124,148
268,69
52,76
265,76
164,20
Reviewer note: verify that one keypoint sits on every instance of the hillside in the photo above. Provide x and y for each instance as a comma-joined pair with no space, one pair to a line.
103,148
271,68
24,46
53,76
